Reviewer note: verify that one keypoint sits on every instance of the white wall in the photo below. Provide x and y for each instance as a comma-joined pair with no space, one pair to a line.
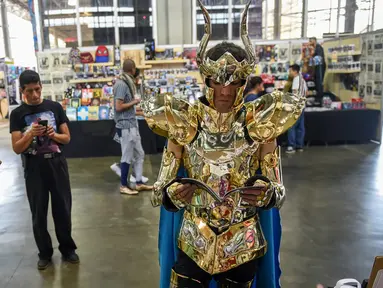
22,45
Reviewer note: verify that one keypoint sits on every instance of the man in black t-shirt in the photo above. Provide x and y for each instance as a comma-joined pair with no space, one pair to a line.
39,129
320,69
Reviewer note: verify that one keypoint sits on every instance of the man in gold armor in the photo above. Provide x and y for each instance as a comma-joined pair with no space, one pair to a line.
228,152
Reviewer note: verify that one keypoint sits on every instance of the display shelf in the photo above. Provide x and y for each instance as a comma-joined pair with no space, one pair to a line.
193,74
160,62
345,71
95,64
143,67
350,53
92,80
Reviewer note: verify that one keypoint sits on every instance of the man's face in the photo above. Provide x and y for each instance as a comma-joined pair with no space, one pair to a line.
291,73
224,96
32,93
313,42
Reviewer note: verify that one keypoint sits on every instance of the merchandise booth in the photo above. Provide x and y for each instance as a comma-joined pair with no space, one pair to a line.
81,79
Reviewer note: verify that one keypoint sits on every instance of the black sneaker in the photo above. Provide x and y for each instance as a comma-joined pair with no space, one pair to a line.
44,264
71,258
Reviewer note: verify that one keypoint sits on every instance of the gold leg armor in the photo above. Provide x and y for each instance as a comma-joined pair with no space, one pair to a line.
179,281
168,171
231,284
272,169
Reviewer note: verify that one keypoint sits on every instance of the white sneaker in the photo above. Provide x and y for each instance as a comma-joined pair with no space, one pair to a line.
116,169
290,150
144,179
127,191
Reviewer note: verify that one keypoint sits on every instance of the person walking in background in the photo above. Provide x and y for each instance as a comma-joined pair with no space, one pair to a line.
320,66
296,134
127,128
116,167
39,129
254,88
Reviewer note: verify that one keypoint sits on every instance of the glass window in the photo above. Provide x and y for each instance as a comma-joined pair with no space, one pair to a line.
291,20
268,14
97,22
219,14
254,18
322,17
135,21
59,24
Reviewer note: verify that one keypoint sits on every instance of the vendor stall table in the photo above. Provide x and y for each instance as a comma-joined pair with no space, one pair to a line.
95,138
340,126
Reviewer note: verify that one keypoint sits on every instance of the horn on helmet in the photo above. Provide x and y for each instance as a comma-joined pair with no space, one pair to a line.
245,34
206,37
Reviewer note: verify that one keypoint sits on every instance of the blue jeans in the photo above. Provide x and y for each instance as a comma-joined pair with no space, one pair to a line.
296,134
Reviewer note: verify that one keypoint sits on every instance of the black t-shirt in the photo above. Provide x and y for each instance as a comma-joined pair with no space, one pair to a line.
25,115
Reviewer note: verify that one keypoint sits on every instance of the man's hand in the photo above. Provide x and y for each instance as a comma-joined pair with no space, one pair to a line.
38,130
252,196
50,132
136,101
184,192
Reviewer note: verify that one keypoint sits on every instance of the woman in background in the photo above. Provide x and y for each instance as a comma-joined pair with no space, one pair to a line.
254,88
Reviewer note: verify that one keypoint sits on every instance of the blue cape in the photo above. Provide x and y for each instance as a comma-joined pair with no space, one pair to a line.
269,271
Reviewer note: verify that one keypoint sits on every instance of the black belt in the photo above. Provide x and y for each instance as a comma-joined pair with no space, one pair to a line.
45,156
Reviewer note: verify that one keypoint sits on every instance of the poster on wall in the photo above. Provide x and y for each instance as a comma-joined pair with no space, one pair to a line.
44,62
362,90
378,88
369,87
378,70
370,69
378,46
370,45
266,53
46,80
47,95
56,61
58,82
295,53
283,52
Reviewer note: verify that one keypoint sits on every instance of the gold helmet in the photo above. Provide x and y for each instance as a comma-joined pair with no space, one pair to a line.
227,68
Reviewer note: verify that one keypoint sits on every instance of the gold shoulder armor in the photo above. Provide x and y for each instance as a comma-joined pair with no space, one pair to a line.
272,114
171,117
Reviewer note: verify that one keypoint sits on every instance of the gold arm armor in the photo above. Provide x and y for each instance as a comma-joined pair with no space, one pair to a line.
273,114
272,169
169,116
168,171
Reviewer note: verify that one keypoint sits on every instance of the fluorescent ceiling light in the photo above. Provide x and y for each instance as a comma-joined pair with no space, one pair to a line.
72,2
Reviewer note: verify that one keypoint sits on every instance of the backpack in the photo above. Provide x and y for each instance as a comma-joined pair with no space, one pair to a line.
102,54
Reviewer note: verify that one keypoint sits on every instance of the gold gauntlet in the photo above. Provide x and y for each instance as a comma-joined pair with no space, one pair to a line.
171,191
168,171
271,168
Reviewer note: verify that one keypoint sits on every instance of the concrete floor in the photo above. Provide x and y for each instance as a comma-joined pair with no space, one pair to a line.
332,222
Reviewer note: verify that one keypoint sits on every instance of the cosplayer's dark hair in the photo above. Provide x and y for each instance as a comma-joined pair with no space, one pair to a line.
218,50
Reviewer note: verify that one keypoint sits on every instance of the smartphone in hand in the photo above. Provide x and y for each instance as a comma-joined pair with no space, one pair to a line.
43,123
